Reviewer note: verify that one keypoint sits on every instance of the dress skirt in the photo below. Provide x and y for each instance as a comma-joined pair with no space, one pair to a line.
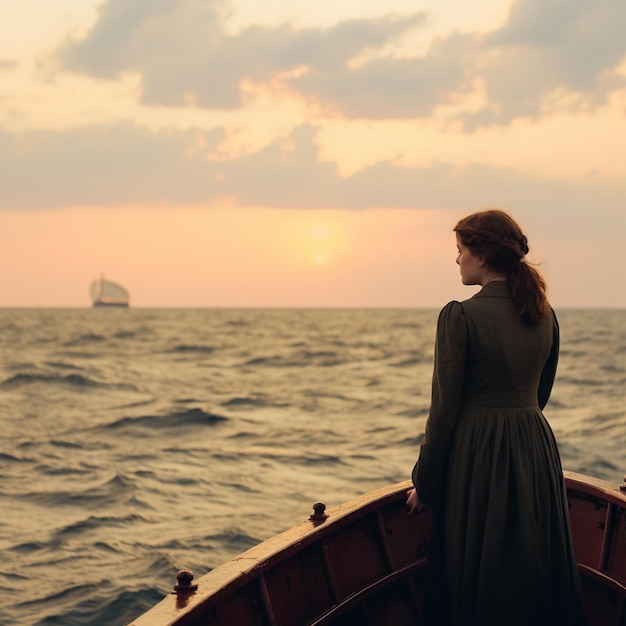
501,542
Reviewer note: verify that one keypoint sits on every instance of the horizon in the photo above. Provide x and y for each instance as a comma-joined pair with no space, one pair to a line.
434,308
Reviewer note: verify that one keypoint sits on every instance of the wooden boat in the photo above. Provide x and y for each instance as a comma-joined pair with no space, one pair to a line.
363,564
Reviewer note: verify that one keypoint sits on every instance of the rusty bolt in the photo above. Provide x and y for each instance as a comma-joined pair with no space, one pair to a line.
185,584
318,514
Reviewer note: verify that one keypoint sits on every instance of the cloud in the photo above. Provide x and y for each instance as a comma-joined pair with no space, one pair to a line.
560,54
169,43
183,53
551,48
394,88
108,165
126,165
7,65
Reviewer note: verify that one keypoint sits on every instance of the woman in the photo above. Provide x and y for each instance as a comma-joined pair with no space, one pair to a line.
501,550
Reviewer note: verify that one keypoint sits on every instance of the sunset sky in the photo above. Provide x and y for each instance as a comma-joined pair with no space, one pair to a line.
299,153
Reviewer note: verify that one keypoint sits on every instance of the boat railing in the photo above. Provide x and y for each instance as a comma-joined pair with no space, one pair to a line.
360,560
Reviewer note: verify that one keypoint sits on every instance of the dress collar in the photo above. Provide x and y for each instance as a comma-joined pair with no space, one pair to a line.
495,289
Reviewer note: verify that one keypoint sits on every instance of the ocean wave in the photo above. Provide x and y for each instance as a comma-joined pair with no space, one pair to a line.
415,412
29,547
237,323
192,348
613,368
176,419
235,538
181,481
583,382
51,470
317,459
71,591
304,358
410,361
412,326
283,454
412,442
99,608
610,424
61,443
324,395
87,338
597,466
5,457
76,382
116,490
132,334
94,522
61,365
245,401
106,547
72,380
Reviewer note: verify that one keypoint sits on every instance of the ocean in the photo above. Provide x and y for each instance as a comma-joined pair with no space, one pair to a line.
138,442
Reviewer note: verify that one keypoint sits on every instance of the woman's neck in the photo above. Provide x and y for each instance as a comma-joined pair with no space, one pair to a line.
491,277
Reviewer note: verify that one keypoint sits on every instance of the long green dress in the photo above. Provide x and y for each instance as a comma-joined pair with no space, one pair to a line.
501,551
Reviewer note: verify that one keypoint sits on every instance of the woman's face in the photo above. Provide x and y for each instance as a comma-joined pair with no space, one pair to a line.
472,266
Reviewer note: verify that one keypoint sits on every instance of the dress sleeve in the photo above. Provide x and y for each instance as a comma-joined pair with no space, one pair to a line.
549,369
447,392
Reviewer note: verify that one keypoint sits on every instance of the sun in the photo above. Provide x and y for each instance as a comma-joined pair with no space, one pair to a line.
319,258
314,240
321,237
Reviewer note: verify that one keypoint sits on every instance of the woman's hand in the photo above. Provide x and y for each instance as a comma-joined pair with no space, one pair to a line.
413,502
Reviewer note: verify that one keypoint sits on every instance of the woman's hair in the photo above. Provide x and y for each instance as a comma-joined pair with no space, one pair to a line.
495,236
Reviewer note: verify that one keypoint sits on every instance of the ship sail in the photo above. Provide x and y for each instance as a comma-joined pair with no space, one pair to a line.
106,293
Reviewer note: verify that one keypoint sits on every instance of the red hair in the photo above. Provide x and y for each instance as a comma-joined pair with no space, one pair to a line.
497,238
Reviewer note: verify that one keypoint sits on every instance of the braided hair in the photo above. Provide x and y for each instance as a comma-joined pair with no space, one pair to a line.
496,237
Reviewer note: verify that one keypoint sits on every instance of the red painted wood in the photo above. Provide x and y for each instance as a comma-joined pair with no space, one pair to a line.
365,564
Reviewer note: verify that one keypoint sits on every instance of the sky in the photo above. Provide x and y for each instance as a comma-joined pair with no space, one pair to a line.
287,153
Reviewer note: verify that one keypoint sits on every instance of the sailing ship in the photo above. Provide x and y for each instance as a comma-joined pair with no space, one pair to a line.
364,562
105,293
